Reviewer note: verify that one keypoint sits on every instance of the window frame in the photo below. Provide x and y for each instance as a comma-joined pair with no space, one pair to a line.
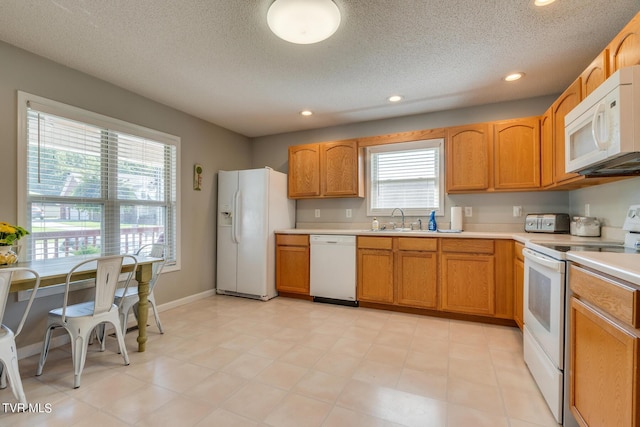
404,146
101,121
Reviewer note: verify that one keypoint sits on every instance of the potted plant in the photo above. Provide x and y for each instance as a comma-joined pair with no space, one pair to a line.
9,235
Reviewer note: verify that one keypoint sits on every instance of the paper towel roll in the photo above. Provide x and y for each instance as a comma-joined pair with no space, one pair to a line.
456,218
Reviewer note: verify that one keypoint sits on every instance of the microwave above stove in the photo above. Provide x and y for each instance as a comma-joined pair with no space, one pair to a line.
547,223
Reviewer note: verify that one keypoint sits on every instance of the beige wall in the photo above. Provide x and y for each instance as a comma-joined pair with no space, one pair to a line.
202,142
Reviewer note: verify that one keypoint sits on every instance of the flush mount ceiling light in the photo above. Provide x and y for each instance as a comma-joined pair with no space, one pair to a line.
306,113
303,21
394,98
543,2
513,77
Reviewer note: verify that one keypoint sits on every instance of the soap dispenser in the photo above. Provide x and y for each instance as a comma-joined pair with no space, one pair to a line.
375,225
433,226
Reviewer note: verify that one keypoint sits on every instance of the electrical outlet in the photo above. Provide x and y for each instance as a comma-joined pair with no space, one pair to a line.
468,211
317,213
517,211
348,213
587,209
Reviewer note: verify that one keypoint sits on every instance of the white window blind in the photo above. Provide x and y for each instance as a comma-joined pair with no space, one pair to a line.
92,188
406,176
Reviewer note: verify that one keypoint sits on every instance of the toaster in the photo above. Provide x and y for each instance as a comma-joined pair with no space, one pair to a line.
547,223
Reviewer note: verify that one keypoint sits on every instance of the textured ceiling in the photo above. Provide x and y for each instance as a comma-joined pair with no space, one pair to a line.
217,59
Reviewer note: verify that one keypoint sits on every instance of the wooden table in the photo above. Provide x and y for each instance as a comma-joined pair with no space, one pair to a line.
54,272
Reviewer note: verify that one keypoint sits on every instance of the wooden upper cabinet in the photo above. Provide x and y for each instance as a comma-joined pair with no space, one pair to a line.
517,154
569,99
624,49
546,149
329,169
595,74
304,171
468,157
339,165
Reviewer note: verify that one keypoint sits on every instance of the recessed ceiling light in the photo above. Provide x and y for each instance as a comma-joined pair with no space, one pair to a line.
306,113
394,98
543,2
513,77
303,21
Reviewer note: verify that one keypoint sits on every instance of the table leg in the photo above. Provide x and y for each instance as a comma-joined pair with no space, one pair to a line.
143,275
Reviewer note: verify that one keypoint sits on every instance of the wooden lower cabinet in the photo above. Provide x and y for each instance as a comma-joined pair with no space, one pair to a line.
375,269
467,276
292,263
417,272
518,285
468,283
603,340
398,270
604,374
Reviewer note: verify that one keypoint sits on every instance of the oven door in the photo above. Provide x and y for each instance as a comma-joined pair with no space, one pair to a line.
544,291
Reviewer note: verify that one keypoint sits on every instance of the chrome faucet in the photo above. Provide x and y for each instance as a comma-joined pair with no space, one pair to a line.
393,212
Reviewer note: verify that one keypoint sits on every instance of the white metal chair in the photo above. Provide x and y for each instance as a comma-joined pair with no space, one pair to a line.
8,350
79,320
127,298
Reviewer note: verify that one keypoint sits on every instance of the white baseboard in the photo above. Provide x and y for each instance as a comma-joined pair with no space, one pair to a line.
36,348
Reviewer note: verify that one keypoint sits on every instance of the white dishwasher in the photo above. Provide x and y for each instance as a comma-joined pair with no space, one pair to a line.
333,269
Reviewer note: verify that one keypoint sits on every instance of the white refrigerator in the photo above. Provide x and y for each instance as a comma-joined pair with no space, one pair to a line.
251,205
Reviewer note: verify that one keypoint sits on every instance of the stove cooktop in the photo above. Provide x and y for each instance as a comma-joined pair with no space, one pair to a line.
592,248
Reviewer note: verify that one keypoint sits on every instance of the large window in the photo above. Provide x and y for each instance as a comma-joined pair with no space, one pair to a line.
92,184
406,176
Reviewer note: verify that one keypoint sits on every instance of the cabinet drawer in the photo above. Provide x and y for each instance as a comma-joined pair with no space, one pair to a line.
417,244
613,297
292,239
375,242
476,246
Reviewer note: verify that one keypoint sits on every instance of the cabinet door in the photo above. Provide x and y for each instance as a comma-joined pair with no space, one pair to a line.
375,275
417,278
518,279
565,103
595,74
624,49
339,163
603,375
468,157
292,269
546,149
468,283
517,154
304,171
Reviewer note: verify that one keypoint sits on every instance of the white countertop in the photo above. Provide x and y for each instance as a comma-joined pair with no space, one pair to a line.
623,266
521,237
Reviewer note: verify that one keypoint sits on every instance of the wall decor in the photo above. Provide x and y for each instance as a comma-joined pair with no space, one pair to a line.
197,177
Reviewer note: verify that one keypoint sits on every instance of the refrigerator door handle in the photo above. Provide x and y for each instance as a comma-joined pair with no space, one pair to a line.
235,218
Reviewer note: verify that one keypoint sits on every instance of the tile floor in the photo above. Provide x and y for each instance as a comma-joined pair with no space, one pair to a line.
227,361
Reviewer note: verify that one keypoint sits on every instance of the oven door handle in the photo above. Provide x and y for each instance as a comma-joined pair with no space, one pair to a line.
543,260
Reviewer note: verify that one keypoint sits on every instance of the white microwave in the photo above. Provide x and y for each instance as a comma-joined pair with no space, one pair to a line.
602,133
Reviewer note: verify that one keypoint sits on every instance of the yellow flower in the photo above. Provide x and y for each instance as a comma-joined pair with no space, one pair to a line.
6,228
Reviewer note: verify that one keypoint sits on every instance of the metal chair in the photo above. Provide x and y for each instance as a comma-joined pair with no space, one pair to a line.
80,320
8,350
127,298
